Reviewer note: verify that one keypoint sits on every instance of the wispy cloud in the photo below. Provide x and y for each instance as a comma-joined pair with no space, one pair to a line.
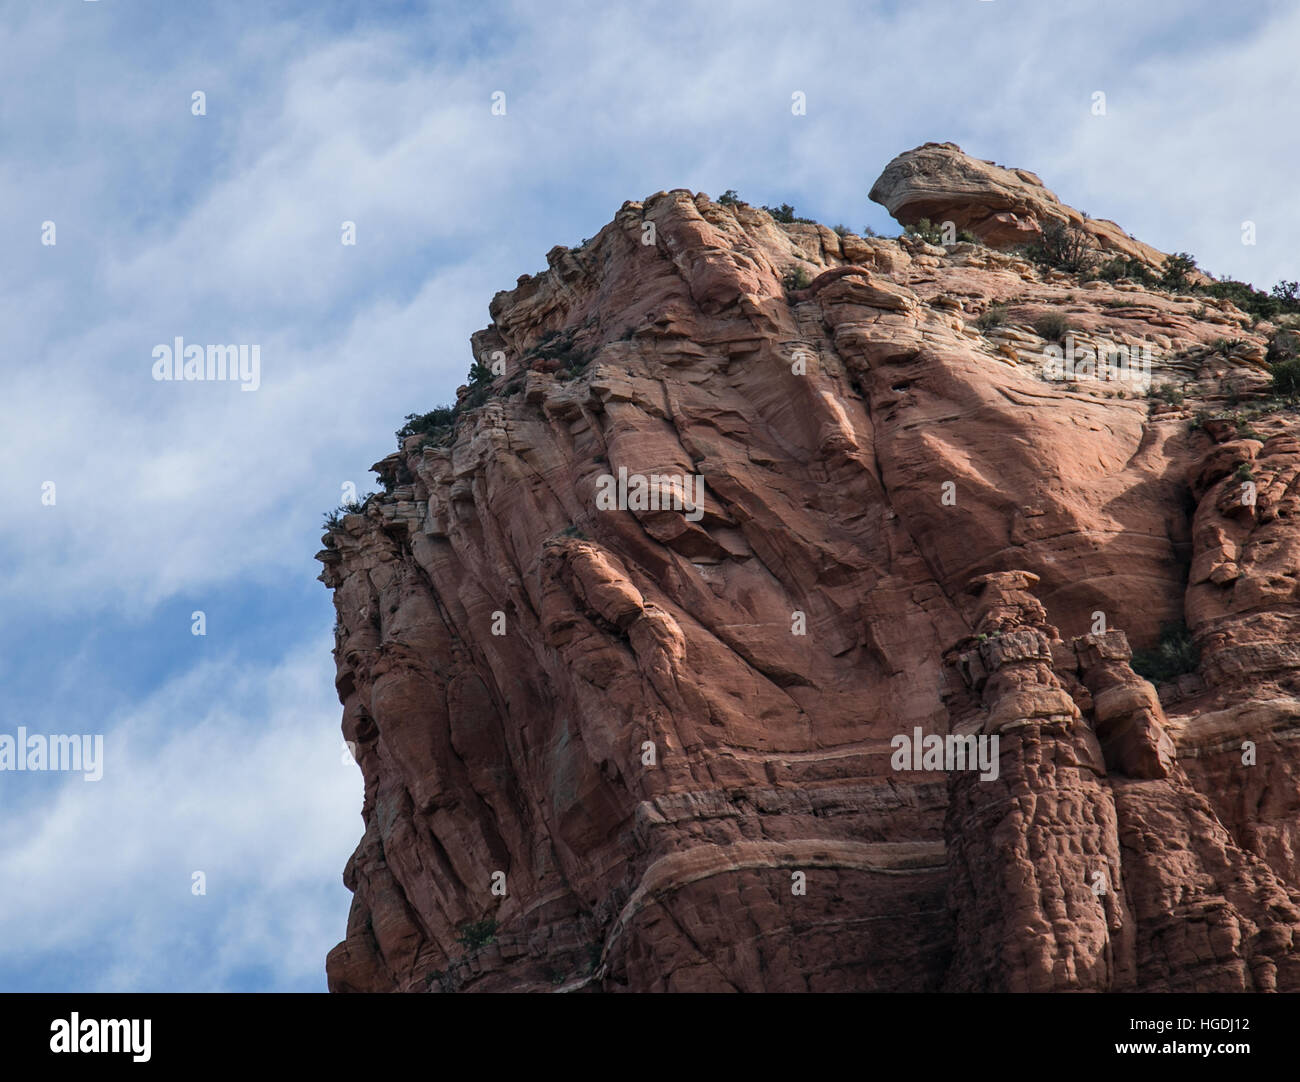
227,770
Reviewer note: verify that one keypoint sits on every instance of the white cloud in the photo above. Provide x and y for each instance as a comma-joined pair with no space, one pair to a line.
231,771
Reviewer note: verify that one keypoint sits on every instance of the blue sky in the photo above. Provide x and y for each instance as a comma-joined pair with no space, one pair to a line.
222,752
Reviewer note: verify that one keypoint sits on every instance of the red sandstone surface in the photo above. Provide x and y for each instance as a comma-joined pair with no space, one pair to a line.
605,749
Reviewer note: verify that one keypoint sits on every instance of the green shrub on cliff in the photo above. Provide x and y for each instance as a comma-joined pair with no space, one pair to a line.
334,518
1065,247
478,933
1051,326
1286,377
1173,656
785,214
796,278
930,232
1176,271
437,422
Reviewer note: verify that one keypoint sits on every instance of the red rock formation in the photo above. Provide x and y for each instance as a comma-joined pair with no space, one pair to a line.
1033,853
1003,207
652,748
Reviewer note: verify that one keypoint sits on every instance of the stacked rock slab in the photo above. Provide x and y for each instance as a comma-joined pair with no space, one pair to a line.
1003,207
650,748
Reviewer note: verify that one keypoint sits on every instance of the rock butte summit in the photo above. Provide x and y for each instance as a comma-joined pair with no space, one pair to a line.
901,484
1002,207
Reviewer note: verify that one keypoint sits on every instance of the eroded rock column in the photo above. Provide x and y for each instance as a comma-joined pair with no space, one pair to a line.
1033,854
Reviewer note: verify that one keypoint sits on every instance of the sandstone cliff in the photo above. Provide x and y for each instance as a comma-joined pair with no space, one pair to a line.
652,748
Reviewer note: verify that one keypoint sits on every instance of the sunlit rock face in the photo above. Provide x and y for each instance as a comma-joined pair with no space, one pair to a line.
628,654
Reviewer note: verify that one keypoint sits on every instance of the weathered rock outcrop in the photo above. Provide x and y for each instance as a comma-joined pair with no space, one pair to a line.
653,745
1092,862
1003,207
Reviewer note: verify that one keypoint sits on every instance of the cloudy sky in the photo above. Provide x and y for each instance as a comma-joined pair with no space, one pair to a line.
222,751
